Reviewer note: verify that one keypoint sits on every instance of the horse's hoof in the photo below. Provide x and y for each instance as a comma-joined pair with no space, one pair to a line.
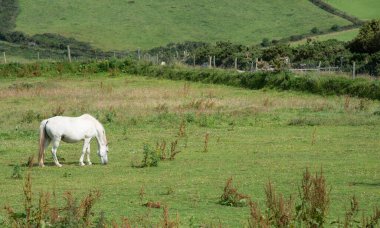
59,165
81,163
90,163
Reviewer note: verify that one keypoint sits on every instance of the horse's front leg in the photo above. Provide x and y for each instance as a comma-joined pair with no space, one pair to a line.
88,154
56,142
86,145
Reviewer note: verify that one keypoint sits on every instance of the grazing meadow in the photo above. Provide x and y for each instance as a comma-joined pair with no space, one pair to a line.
363,9
253,136
146,24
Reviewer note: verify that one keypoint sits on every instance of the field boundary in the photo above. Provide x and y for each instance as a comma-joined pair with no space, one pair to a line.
281,80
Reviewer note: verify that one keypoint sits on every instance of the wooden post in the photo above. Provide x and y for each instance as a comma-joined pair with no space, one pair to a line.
114,55
251,66
214,61
256,67
353,70
68,53
139,54
236,63
157,59
319,66
193,60
38,56
5,58
209,62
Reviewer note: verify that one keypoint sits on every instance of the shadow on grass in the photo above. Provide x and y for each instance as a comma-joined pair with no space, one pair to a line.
365,184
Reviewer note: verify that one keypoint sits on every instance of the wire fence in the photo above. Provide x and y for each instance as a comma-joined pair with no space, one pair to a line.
241,65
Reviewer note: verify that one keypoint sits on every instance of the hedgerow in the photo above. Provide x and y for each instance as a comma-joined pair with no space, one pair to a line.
282,80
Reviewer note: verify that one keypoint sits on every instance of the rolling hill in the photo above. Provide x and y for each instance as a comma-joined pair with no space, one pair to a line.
132,24
363,9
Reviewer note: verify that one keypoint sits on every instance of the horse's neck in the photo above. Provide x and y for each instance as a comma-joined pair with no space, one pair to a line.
100,135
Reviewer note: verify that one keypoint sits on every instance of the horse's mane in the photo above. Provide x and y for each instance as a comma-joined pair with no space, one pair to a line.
100,125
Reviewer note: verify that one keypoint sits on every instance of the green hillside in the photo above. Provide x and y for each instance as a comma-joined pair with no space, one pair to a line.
121,24
363,9
346,35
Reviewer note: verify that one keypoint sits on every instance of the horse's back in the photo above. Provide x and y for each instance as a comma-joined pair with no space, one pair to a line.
74,128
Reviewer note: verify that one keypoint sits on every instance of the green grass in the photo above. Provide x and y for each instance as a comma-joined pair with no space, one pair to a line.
347,35
363,9
250,139
147,24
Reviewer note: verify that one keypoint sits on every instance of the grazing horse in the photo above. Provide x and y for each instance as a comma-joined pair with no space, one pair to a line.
71,130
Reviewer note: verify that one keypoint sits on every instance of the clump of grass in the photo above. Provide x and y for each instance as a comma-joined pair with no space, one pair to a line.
349,219
58,111
166,222
110,115
302,121
314,136
256,218
162,108
173,149
30,116
142,194
152,204
45,214
30,161
231,196
182,129
280,211
347,101
16,174
205,146
164,153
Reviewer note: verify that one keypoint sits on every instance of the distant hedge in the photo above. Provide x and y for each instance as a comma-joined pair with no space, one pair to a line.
324,85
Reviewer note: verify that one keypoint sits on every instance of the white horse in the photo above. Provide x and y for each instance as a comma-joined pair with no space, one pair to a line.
71,130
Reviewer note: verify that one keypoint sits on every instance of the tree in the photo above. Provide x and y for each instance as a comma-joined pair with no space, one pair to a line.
368,39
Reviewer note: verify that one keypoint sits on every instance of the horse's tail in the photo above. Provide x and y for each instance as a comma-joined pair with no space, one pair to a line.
43,136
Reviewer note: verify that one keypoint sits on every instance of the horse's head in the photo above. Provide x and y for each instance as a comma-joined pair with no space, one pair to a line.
103,151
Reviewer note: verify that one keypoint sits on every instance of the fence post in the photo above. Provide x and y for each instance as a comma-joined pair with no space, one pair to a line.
193,60
319,66
139,54
256,64
209,62
38,56
235,63
5,58
68,53
214,61
353,70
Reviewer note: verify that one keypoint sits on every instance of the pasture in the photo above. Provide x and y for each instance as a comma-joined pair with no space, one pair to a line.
254,136
363,9
146,24
347,35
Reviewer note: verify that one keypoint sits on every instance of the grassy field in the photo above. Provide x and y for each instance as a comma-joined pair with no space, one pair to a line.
147,23
342,36
363,9
254,137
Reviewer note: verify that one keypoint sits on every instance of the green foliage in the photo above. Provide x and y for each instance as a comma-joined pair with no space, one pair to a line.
150,159
16,174
9,10
368,39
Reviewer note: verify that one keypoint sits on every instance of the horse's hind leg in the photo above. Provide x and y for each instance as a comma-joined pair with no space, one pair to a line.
86,147
54,151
